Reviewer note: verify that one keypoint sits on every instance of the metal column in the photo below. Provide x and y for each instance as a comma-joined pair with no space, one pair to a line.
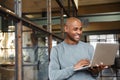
62,22
49,27
18,42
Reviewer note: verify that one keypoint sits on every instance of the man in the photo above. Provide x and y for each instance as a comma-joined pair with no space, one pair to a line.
72,54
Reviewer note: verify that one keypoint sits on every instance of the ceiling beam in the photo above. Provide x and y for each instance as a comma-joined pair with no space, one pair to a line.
83,10
101,8
106,17
101,26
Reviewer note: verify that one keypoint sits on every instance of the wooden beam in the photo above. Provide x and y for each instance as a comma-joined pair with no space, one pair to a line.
101,26
102,8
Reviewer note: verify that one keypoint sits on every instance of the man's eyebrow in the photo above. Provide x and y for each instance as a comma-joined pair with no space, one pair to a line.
81,28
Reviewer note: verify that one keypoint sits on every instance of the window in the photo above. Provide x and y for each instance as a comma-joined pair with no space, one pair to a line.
106,38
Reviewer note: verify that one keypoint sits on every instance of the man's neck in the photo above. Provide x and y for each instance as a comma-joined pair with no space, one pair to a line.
70,42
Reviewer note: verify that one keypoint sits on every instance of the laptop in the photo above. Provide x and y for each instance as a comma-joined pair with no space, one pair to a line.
105,53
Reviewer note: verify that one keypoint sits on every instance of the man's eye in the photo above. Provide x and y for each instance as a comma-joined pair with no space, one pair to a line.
81,29
75,29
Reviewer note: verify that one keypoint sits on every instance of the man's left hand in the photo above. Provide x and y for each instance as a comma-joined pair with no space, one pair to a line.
97,68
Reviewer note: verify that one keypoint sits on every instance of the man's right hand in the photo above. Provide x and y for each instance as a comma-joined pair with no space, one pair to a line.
81,63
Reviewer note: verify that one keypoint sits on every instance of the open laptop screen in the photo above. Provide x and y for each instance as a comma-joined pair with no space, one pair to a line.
105,53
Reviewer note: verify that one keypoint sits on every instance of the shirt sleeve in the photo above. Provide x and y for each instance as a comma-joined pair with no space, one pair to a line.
55,72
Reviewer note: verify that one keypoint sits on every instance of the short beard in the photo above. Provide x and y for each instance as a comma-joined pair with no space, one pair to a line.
71,38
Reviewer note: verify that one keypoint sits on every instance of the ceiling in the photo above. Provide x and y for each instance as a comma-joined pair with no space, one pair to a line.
35,8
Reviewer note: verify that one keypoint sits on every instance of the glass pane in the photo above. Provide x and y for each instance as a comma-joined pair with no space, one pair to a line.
35,55
43,66
30,73
110,36
26,40
36,62
93,40
102,36
7,50
93,37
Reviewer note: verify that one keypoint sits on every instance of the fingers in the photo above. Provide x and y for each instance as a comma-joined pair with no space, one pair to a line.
101,66
97,68
82,63
106,67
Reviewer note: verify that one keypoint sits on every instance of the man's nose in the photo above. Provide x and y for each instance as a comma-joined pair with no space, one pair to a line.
79,32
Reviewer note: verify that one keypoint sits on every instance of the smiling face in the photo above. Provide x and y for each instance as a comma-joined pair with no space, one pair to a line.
73,30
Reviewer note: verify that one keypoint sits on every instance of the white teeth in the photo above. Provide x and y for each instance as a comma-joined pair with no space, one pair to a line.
77,36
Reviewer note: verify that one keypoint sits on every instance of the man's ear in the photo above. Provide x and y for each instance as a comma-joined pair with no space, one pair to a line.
65,28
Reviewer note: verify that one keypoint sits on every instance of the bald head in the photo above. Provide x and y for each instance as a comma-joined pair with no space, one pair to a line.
71,20
73,30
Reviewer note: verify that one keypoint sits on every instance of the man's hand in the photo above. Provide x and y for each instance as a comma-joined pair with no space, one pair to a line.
81,63
97,68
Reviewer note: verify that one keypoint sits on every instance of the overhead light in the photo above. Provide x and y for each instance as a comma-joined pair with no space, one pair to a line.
64,15
29,16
